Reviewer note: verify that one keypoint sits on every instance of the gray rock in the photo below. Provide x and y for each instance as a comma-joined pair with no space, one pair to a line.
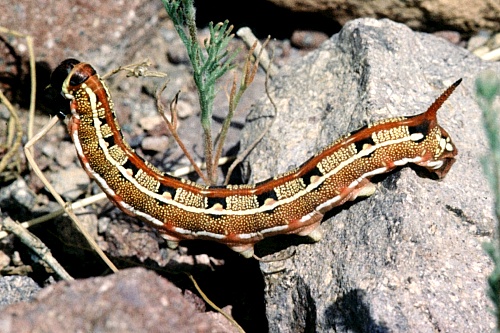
155,143
17,288
17,195
409,258
70,183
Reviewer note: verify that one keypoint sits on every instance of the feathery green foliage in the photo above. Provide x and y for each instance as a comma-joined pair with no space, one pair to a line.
209,63
487,90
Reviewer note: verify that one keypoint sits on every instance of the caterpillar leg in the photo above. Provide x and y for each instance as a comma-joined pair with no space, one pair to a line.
172,242
364,189
313,230
245,250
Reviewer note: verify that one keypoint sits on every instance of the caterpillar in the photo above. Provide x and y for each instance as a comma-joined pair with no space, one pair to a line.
241,215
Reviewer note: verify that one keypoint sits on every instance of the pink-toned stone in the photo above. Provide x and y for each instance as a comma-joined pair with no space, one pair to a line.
133,300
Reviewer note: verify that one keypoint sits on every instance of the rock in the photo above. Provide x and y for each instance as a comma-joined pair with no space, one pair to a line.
14,289
422,15
4,260
184,109
65,155
70,183
486,46
177,53
133,300
404,259
150,123
17,196
158,144
307,40
100,23
478,40
4,113
451,36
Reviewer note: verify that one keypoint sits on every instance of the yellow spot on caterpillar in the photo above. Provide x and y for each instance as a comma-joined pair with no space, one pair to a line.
106,130
130,172
269,202
366,146
449,147
442,143
416,137
218,207
167,195
315,179
117,154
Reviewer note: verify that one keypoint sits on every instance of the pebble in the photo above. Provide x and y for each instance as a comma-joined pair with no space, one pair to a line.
486,45
155,143
495,41
49,150
177,53
478,40
4,112
14,289
66,154
70,183
149,124
154,126
4,260
308,40
184,109
451,36
17,194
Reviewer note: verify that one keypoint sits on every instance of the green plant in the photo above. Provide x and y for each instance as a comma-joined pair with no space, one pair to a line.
487,90
209,63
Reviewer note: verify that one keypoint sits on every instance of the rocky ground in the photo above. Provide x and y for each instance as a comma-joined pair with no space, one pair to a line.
108,35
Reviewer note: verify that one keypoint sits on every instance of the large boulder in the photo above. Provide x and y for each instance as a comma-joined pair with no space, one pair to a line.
422,15
409,258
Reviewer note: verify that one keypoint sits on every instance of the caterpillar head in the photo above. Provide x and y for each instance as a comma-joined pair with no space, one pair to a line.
443,155
53,94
